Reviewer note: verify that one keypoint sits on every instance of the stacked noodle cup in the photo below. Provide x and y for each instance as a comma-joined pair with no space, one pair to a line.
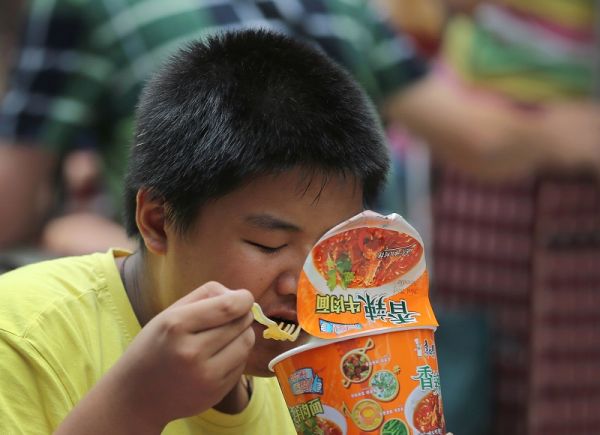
370,365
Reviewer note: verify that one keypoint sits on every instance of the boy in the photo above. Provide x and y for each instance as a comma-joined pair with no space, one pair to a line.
248,147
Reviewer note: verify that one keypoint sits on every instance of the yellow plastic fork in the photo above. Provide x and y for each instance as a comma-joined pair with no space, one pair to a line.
283,331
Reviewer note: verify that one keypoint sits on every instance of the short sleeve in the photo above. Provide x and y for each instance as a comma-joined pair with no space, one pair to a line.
32,398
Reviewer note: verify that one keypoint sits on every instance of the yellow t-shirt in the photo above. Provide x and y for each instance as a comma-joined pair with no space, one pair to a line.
63,323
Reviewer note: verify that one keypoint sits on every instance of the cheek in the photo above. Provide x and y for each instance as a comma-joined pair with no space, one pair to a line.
248,270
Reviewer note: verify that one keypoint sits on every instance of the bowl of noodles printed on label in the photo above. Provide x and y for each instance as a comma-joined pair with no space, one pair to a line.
356,366
366,414
424,412
368,273
330,422
395,426
384,384
382,260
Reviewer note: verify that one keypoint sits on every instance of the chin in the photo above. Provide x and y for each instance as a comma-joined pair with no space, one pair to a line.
265,350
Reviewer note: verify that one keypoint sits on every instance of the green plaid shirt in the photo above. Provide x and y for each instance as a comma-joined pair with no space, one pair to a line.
82,63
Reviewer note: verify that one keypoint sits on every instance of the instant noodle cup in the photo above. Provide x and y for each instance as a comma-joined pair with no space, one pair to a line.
386,382
371,364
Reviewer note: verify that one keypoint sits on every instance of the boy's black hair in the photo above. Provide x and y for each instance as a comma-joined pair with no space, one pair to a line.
243,104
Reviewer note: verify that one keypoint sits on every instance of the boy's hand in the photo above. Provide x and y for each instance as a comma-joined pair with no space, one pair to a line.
192,354
184,361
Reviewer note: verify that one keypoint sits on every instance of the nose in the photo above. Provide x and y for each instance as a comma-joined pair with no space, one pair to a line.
287,284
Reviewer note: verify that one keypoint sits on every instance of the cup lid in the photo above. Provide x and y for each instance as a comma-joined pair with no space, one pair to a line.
316,342
368,273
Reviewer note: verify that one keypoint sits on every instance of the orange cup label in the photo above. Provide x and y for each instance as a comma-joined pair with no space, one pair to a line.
386,384
366,274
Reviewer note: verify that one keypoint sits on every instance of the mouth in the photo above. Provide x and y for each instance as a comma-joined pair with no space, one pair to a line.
283,322
285,316
282,314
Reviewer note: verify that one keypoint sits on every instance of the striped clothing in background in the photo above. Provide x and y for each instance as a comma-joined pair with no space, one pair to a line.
527,51
83,63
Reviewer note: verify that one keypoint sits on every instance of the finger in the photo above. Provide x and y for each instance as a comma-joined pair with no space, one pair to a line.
205,291
231,378
233,356
212,341
214,311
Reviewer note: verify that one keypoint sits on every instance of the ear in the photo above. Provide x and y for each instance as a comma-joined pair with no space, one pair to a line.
150,219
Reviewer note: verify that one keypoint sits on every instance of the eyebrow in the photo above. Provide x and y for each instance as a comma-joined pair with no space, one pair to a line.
269,222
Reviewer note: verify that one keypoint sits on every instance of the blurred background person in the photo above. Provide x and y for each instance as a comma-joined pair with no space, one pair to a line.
81,64
75,83
524,245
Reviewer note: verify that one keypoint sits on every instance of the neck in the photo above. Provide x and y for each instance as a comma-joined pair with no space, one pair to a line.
238,398
131,270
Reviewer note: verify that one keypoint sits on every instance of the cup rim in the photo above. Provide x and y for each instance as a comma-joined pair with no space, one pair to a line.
321,342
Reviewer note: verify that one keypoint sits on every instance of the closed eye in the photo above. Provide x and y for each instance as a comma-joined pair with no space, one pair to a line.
266,249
